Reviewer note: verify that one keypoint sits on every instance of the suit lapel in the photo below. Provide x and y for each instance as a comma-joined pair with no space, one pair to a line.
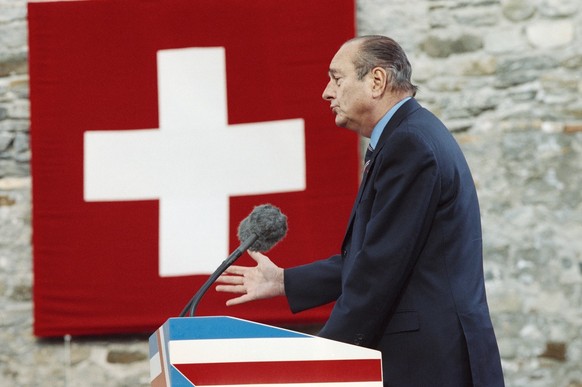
407,108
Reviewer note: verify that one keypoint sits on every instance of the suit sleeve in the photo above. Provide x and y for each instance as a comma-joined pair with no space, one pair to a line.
399,203
314,284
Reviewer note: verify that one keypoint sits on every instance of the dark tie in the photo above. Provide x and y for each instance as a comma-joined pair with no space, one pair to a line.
367,158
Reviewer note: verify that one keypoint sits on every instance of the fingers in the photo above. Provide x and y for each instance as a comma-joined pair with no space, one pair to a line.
248,282
258,257
237,289
239,300
233,281
237,270
230,279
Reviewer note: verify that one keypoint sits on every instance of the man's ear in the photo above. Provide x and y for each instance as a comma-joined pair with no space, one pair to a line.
379,81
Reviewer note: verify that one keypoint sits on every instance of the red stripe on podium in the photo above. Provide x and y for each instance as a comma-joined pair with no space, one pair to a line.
318,371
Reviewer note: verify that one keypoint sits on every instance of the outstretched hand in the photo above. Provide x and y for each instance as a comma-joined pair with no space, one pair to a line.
254,283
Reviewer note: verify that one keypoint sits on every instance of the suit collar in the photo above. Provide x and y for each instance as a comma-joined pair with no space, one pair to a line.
404,110
379,128
407,108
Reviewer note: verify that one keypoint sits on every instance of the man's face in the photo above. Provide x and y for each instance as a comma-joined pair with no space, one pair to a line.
348,96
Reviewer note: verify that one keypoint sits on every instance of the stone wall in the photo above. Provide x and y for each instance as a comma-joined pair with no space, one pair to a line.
505,75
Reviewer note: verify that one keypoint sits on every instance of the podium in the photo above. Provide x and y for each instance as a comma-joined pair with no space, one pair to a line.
227,351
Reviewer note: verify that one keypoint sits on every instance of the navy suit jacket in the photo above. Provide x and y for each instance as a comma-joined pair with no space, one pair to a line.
409,279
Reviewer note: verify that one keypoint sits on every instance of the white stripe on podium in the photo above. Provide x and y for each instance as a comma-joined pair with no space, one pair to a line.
353,384
155,366
258,350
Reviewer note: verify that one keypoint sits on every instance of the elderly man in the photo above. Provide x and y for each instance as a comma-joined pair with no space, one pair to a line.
409,279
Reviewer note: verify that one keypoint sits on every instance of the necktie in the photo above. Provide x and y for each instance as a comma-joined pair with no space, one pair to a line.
367,158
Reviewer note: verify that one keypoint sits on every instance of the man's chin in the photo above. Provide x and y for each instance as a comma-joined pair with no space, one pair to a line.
340,122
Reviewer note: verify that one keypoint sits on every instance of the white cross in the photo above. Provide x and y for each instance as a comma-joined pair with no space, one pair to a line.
194,161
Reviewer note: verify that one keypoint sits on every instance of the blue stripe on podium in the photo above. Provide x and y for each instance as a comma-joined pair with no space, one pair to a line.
211,328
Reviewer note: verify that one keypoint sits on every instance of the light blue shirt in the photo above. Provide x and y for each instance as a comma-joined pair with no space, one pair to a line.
379,128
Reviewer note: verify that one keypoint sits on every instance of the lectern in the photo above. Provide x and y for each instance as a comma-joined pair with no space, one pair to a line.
226,351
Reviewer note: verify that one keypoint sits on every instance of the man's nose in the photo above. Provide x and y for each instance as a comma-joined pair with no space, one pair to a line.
327,92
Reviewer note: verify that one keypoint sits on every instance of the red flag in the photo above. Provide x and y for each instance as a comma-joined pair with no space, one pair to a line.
156,128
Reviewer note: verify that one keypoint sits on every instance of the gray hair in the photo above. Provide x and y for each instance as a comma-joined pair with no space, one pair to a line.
384,52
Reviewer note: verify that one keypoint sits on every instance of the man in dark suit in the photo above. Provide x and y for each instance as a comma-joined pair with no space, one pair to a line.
409,279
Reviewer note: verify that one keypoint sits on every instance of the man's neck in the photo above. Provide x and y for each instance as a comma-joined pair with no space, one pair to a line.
392,100
380,109
381,124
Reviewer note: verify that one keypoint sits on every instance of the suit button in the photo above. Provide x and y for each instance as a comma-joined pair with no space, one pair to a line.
359,339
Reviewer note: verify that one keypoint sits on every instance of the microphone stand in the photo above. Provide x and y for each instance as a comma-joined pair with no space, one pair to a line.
193,303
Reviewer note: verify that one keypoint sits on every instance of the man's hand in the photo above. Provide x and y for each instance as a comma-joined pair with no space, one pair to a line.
254,283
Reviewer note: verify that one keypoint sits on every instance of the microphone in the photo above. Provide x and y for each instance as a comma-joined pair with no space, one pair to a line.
265,226
267,223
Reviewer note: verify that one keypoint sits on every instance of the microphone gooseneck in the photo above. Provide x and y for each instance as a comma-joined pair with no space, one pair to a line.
190,308
260,231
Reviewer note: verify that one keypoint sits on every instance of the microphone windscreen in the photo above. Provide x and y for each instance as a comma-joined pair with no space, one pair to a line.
268,223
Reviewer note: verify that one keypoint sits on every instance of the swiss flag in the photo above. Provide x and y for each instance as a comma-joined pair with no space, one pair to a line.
157,126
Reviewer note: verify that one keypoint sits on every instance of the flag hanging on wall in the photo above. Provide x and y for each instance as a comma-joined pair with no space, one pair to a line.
156,127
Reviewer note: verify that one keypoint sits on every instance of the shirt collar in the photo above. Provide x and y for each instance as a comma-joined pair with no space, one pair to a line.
379,128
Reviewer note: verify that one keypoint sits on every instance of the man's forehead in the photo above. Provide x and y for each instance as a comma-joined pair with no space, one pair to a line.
343,59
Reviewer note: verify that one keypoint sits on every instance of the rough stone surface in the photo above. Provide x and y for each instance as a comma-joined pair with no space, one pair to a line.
504,75
550,34
518,10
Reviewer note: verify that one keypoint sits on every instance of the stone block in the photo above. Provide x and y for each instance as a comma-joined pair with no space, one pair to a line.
558,8
442,47
518,10
125,357
550,34
555,350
